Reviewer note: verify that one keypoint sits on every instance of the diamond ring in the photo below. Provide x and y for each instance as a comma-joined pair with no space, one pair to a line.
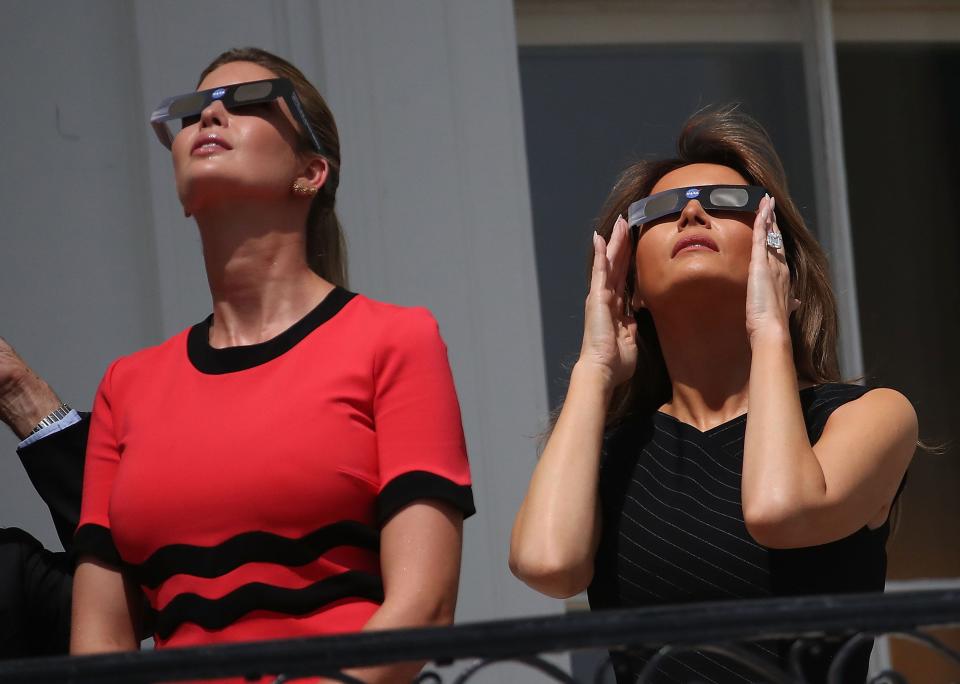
774,240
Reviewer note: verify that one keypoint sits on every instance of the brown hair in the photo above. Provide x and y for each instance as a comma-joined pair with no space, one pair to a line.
727,136
326,249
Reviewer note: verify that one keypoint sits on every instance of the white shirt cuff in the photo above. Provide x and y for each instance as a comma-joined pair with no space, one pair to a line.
62,424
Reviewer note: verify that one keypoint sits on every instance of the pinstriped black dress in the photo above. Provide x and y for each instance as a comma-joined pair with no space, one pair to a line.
673,532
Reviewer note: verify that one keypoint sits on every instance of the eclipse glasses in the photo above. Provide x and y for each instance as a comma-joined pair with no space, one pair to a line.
189,105
715,197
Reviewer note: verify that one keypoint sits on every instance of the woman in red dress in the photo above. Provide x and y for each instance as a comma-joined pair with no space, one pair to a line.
293,465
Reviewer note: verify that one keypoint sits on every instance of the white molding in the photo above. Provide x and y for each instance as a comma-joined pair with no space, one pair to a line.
902,25
628,22
618,22
926,583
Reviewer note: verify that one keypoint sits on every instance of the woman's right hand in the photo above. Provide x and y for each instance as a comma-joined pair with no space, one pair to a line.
609,331
558,527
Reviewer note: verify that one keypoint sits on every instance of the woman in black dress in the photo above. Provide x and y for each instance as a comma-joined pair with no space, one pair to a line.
706,448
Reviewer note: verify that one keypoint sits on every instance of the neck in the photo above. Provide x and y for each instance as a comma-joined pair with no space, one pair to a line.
707,354
256,265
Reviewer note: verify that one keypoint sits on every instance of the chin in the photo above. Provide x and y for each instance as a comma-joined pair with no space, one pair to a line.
201,188
701,283
703,264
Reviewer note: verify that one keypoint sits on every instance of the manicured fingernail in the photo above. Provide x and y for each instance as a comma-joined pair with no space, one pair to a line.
773,203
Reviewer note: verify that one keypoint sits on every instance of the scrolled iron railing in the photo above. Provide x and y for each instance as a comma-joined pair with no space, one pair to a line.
716,627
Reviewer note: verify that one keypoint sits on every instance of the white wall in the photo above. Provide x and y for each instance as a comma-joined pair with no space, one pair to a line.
78,281
98,259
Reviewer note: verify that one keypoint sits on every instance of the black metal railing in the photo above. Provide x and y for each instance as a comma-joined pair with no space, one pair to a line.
717,628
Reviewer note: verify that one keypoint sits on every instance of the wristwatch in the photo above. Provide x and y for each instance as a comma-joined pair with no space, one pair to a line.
57,414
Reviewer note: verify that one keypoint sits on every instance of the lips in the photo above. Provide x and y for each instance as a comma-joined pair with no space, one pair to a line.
693,242
209,143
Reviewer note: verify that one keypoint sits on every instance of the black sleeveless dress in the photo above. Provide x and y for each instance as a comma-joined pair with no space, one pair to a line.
673,532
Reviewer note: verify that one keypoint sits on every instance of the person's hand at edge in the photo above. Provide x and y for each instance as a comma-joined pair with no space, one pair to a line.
609,335
25,398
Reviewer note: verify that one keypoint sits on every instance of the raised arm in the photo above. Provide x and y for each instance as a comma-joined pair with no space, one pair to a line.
53,458
25,398
557,529
795,494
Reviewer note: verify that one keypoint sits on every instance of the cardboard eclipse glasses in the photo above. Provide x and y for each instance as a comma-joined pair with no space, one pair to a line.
711,197
232,97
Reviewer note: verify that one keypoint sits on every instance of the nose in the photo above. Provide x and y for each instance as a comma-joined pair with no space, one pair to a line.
214,114
693,216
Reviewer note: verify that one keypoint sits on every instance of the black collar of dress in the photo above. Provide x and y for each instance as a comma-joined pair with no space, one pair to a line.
213,361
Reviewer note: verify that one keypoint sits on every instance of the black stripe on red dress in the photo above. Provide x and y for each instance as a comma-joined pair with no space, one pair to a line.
420,484
252,547
96,540
214,614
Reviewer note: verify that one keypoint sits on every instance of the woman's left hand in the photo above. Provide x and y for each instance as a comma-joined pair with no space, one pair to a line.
769,299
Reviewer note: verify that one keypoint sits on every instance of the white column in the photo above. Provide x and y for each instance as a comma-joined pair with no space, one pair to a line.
78,279
436,208
830,175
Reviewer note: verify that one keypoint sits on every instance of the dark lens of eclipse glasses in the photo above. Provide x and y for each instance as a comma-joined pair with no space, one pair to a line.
662,204
735,198
186,106
730,197
252,91
246,93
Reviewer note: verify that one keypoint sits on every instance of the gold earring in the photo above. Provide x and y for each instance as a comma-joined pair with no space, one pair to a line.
303,189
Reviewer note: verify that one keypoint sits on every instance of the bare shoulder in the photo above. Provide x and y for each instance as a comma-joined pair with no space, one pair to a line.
880,405
881,414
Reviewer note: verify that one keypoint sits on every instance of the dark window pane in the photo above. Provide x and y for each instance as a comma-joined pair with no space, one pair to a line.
589,111
901,108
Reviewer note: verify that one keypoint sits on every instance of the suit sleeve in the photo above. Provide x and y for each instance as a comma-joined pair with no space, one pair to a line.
34,598
93,537
420,444
55,467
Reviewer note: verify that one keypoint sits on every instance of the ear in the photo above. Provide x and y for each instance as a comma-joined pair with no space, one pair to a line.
316,172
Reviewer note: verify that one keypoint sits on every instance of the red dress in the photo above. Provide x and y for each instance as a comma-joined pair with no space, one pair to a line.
244,488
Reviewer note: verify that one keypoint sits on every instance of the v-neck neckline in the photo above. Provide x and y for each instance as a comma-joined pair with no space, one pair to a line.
720,427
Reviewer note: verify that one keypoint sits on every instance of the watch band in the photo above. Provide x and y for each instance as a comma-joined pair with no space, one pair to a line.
59,413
